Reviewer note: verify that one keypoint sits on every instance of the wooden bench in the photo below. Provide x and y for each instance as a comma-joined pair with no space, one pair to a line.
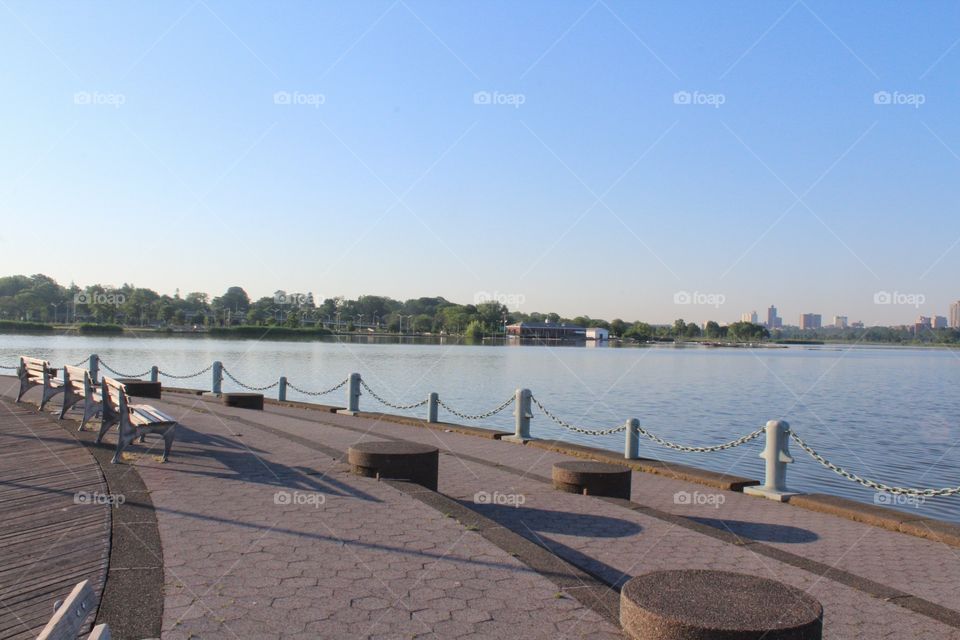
77,386
134,420
34,372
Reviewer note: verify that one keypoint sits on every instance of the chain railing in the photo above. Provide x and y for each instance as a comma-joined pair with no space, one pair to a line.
3,366
192,375
82,362
478,416
318,393
246,386
574,428
400,407
687,449
872,484
123,375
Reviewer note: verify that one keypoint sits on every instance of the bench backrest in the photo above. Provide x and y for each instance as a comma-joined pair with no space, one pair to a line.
34,368
78,379
114,397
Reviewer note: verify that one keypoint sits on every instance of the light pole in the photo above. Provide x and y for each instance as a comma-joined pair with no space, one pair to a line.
54,305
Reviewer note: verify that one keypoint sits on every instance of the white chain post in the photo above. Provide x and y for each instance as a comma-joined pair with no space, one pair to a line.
631,447
353,396
154,373
776,453
94,368
217,386
523,413
432,407
282,389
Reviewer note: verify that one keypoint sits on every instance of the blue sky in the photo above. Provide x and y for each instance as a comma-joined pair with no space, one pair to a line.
584,157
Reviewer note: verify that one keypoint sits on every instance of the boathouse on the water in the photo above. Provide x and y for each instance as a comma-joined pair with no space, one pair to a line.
546,331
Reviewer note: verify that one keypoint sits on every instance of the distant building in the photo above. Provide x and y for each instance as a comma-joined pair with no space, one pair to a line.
773,320
955,315
840,322
750,316
597,333
856,325
810,321
939,322
546,331
922,324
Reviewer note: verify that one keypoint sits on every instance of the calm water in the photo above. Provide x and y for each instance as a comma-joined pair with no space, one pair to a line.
888,414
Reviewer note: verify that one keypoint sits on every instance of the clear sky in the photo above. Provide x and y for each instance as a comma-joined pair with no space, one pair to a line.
583,157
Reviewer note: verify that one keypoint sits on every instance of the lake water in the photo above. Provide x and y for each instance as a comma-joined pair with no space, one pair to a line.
887,414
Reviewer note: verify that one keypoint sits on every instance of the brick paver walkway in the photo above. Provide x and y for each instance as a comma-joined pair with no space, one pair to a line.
266,535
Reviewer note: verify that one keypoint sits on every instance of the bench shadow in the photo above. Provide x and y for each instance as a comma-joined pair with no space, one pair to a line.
760,531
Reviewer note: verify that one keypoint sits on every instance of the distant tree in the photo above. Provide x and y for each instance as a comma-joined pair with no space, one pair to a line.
617,327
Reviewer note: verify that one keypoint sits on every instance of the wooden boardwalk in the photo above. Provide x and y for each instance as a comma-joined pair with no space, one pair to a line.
54,531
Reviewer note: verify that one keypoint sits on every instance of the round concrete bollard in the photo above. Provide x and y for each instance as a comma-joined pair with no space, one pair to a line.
592,478
396,459
716,605
243,400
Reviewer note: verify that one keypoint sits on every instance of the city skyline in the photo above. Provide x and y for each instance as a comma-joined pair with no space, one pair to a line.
591,165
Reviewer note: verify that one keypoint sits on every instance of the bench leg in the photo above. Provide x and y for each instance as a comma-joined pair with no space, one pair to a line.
124,438
48,393
168,437
104,427
24,387
69,399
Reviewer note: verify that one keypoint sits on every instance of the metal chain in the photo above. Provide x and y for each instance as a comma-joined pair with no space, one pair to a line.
84,361
192,375
317,393
123,375
479,416
871,484
246,386
402,407
718,447
3,366
567,425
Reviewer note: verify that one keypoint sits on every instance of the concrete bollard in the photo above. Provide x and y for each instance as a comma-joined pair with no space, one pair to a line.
631,447
282,389
432,407
94,368
154,373
217,386
522,412
353,396
776,452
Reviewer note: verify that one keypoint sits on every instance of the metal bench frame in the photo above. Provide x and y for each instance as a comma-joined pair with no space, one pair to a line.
117,410
34,372
75,391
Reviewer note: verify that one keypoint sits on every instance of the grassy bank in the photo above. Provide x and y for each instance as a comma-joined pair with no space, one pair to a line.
267,332
17,326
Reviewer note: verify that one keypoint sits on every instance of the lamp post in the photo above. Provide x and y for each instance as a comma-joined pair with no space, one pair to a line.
54,305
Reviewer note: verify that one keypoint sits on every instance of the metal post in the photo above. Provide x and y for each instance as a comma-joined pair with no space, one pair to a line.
282,389
154,373
217,377
432,407
94,367
522,413
353,396
631,448
776,453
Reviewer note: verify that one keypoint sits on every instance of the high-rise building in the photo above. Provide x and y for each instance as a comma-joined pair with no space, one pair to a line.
810,321
840,322
922,324
773,321
939,322
750,316
955,315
